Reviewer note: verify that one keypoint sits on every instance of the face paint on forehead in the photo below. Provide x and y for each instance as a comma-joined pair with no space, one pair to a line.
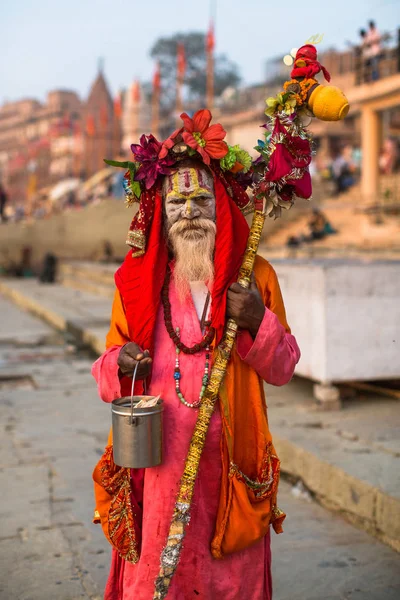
188,182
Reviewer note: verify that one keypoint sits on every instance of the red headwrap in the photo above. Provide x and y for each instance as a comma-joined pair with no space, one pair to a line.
306,64
140,279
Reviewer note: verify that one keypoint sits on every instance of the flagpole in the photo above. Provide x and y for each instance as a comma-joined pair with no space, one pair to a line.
136,102
117,123
155,109
179,104
180,74
210,43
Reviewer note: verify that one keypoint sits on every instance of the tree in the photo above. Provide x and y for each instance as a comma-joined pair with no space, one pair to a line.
226,72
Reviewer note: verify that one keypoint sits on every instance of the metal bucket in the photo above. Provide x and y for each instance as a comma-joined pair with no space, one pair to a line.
137,432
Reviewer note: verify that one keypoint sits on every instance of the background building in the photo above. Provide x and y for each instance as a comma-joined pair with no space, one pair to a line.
43,143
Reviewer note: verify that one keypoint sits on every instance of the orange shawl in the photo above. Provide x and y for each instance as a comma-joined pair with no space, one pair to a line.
250,466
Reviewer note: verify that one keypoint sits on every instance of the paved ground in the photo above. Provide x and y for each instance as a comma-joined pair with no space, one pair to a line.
55,428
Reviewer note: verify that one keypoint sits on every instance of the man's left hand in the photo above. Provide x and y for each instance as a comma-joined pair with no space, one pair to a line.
246,307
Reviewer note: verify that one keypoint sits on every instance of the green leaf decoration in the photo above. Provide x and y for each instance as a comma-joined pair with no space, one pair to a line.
115,163
135,185
132,168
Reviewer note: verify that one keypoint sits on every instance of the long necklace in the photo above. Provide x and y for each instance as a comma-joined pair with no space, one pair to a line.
178,377
207,337
180,347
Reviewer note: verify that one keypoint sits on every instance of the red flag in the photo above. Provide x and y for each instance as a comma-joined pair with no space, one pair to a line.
136,91
118,105
181,61
157,79
210,39
90,125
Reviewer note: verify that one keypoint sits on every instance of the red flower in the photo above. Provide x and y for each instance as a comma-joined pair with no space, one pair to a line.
169,143
206,140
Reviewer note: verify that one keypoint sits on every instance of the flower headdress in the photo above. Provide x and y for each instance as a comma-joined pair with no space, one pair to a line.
196,139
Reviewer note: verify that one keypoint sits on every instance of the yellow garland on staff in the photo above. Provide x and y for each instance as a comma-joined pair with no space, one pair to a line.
181,516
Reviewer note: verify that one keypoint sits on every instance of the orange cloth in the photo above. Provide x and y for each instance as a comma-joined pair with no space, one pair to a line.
249,462
246,509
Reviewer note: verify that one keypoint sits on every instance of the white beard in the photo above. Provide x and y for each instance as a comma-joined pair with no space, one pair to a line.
193,243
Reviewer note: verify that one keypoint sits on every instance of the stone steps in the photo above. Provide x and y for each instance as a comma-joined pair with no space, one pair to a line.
93,278
92,287
85,315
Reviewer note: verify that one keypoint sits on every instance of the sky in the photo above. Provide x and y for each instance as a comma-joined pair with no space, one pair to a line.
48,45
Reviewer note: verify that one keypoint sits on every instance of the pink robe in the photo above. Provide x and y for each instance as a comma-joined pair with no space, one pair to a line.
246,574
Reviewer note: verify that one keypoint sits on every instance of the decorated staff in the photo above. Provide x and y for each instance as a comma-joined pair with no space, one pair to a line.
190,227
285,155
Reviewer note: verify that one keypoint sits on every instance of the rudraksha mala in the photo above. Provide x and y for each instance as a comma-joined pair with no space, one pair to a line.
207,338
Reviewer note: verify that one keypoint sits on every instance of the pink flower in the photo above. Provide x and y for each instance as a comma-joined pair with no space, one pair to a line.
147,153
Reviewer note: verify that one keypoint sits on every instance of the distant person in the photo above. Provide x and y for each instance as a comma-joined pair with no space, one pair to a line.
374,46
108,252
364,54
3,202
24,268
317,224
343,170
319,227
389,157
49,271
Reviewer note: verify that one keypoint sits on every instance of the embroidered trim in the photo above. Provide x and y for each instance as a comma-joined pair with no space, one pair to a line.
136,239
96,517
265,485
248,209
116,481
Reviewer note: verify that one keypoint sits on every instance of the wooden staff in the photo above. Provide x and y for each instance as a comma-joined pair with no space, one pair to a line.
171,553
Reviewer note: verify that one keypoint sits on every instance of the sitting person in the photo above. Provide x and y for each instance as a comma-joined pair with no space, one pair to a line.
319,227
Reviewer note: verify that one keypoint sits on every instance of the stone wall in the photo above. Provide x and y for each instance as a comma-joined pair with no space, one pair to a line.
75,234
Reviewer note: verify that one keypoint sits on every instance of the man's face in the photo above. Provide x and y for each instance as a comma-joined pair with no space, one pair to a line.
189,194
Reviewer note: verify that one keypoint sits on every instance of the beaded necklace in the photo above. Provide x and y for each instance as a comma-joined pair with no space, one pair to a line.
207,337
180,347
178,376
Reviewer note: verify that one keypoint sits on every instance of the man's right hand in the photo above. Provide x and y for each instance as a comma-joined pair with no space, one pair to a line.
129,355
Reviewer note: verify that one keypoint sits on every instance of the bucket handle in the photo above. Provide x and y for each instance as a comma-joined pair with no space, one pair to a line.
133,389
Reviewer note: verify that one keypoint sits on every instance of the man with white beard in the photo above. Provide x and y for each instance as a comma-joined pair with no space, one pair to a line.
178,289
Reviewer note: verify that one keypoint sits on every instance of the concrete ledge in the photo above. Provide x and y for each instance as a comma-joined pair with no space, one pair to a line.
364,505
85,330
33,306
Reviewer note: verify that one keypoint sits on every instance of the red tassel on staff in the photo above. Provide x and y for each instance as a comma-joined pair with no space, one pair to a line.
210,45
155,117
180,76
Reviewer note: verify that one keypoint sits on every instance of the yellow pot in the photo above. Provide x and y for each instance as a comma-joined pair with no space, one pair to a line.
328,103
